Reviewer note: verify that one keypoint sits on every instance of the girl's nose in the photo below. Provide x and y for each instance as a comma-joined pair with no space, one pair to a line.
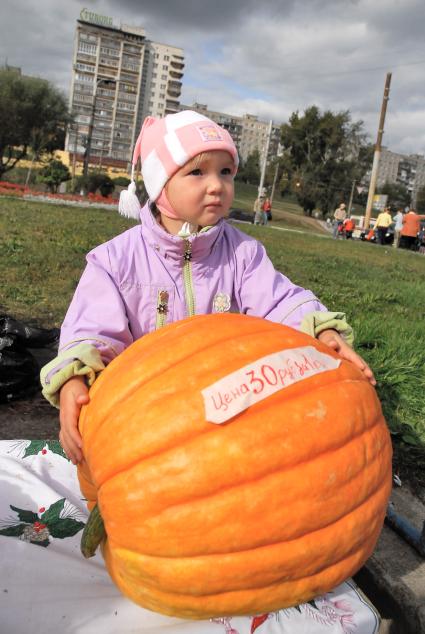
214,183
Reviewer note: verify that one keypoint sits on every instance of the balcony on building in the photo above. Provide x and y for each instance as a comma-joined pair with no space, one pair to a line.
175,74
173,93
171,106
174,88
177,64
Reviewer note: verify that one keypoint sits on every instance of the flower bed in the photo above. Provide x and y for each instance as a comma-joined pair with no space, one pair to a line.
13,189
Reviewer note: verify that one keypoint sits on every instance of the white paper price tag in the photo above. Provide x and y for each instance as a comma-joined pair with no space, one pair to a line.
239,390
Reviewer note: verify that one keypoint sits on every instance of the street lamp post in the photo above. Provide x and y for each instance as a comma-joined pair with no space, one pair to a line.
107,82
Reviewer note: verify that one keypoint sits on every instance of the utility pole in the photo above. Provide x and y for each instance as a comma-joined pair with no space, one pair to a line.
266,152
274,183
350,204
377,154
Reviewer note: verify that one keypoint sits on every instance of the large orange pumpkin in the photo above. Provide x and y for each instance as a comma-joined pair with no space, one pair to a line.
276,505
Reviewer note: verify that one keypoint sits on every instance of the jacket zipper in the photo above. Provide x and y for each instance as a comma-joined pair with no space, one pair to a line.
187,278
161,309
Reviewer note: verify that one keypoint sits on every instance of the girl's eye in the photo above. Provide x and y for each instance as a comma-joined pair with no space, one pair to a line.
226,171
195,172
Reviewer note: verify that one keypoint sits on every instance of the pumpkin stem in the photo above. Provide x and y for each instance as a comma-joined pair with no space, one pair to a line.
93,533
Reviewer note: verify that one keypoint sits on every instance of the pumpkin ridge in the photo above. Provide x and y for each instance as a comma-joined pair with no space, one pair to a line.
171,366
213,555
350,552
375,422
343,512
203,432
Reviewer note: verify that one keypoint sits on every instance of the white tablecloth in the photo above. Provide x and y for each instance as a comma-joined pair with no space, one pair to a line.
48,587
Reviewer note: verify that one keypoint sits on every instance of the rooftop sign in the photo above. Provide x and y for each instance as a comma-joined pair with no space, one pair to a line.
95,18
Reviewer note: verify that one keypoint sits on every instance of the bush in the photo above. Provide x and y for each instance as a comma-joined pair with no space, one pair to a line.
121,181
93,182
53,174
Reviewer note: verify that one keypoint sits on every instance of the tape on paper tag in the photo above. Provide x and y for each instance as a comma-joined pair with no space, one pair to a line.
254,382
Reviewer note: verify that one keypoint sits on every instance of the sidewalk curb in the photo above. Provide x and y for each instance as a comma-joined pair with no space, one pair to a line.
394,576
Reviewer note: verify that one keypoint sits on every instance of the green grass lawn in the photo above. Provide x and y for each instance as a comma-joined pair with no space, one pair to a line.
382,290
245,196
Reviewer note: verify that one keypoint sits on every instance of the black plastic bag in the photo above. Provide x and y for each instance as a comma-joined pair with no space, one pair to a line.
19,370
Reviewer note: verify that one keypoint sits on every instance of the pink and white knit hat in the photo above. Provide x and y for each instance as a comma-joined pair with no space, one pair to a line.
165,145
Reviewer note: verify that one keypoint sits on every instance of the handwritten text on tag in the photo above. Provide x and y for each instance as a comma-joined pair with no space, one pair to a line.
237,391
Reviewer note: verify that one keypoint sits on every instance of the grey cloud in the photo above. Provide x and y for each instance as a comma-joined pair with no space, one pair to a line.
267,58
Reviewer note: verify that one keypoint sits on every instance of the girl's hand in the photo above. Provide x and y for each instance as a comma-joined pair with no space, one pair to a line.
73,395
334,340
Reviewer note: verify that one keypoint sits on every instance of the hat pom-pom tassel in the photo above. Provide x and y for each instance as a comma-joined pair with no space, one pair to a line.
129,205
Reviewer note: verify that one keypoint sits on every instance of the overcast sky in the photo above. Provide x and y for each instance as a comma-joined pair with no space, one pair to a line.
263,57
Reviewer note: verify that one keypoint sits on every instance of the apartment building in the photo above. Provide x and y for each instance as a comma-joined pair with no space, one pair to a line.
119,77
407,170
254,137
248,132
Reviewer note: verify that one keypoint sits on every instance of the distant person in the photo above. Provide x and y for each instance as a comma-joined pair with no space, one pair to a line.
348,227
383,221
398,225
339,216
258,211
267,210
411,228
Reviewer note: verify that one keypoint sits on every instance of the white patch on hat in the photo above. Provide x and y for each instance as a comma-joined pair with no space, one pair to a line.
154,175
181,119
175,148
209,132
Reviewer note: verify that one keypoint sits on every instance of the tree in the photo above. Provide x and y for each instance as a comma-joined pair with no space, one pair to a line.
398,194
53,174
96,180
250,170
420,200
33,115
324,154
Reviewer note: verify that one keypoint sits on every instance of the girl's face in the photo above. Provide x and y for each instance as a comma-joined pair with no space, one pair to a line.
201,192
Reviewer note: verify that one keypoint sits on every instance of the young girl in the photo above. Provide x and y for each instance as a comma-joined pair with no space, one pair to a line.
183,259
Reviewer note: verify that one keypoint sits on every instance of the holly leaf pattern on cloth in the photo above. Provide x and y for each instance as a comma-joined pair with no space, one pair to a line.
55,447
38,528
257,621
313,604
37,446
29,517
13,531
51,515
34,448
66,527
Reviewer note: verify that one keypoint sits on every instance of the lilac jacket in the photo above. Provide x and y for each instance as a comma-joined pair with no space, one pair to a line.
146,274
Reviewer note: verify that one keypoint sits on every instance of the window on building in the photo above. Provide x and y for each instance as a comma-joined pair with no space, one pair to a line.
166,58
86,78
161,96
164,67
163,76
83,47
